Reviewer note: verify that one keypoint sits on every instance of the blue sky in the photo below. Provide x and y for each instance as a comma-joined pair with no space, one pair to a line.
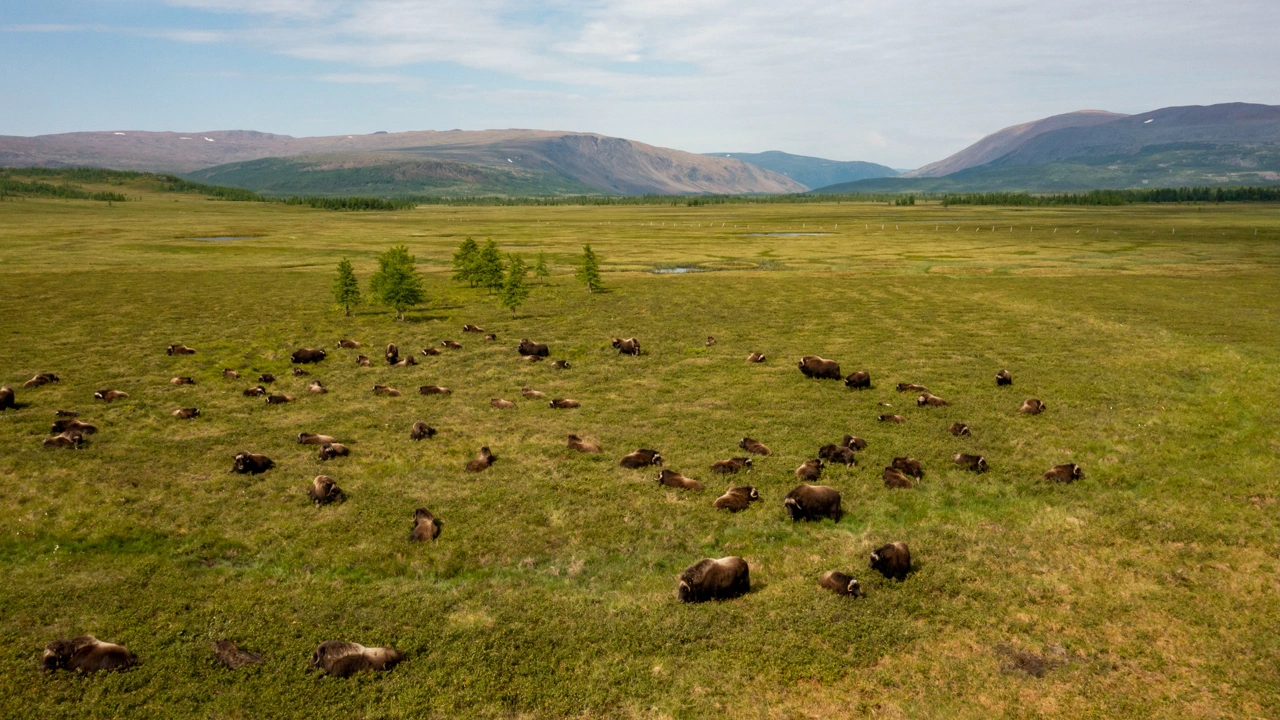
897,83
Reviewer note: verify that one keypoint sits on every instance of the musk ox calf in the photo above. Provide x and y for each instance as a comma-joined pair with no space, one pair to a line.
560,364
425,526
186,413
266,378
179,349
912,387
258,391
809,470
392,354
233,657
386,391
230,374
451,345
482,461
1032,406
860,380
68,439
709,579
41,379
958,428
308,355
1068,472
7,398
434,390
251,464
72,424
182,381
1003,378
472,329
501,404
812,502
564,403
641,458
279,399
344,659
430,351
531,393
305,438
86,654
841,584
577,443
324,490
315,388
528,347
329,451
299,372
929,400
895,419
731,466
627,346
892,561
813,366
976,463
737,498
421,431
895,478
109,395
756,357
363,361
754,447
350,344
910,466
673,479
838,454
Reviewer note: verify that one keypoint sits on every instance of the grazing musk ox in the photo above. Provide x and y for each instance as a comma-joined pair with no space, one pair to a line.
307,355
709,579
813,366
841,584
812,502
392,354
425,526
527,347
838,454
976,463
344,659
860,380
627,346
86,654
233,657
892,560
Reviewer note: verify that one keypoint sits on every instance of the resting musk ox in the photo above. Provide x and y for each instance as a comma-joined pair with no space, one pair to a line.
308,355
299,372
428,352
344,659
72,424
182,381
710,341
233,657
528,347
812,502
976,463
305,438
421,431
710,579
809,470
577,443
627,346
641,458
731,466
910,466
351,344
813,366
853,442
529,359
1003,378
363,361
754,447
6,398
531,393
560,364
251,464
324,491
896,419
68,439
258,391
564,403
1032,406
66,413
841,584
892,560
501,404
392,354
425,526
179,350
928,400
41,379
838,454
329,451
230,374
266,378
86,654
451,345
386,391
912,387
737,498
472,328
895,478
1068,472
490,337
433,390
481,461
110,395
406,362
673,479
186,413
315,388
756,357
959,428
279,399
860,380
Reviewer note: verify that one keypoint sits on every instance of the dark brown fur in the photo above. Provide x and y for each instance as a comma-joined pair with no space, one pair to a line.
737,498
182,381
959,428
406,362
428,352
350,344
1032,406
1003,378
299,372
710,341
671,478
385,391
812,366
179,350
434,390
258,391
560,364
841,584
279,399
251,464
809,470
233,657
709,579
641,458
313,439
66,413
363,361
756,357
754,447
912,387
490,337
392,354
110,395
329,451
425,526
928,400
976,463
896,419
186,413
41,379
315,388
892,560
324,490
527,347
860,380
266,378
451,345
472,329
813,502
564,403
910,466
7,398
481,461
86,654
308,355
1068,472
627,346
421,431
895,478
577,443
343,659
838,454
72,424
68,439
731,466
853,442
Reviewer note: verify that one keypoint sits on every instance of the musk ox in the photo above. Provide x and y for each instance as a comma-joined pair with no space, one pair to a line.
627,346
425,526
230,374
812,502
233,657
350,344
451,345
1032,406
344,659
709,579
83,428
910,466
68,439
895,419
813,366
560,364
641,458
853,442
315,388
531,359
329,451
66,413
1068,472
182,381
756,357
392,354
531,393
841,584
299,372
710,341
895,478
754,447
809,470
324,490
421,431
258,391
307,355
186,413
737,498
731,466
433,390
564,403
976,463
279,399
958,428
363,361
305,438
892,561
430,351
251,464
912,387
528,347
929,400
385,391
1003,378
501,404
481,461
406,362
266,378
86,654
41,379
110,395
179,349
673,479
838,454
860,380
472,329
577,443
490,337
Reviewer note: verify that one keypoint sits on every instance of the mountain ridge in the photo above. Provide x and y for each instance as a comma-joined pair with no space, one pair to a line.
812,171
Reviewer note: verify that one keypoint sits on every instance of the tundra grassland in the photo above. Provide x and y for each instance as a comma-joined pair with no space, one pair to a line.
1148,589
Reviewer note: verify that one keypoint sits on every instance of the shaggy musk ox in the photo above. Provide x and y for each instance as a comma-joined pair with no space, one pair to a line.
813,366
959,428
731,466
186,413
428,352
425,526
451,345
41,379
895,419
490,337
910,466
809,470
912,387
313,439
756,357
392,354
324,490
892,561
266,378
251,464
68,439
279,399
329,451
351,344
527,347
860,380
433,390
754,447
564,403
673,479
385,391
315,388
299,372
308,355
481,461
710,341
182,381
258,391
179,350
710,579
344,659
230,374
1068,472
737,498
406,362
976,463
928,400
472,329
421,431
1032,406
560,364
641,458
110,395
6,398
501,404
363,361
66,413
86,654
812,502
627,346
531,393
529,359
233,657
60,426
841,584
853,442
838,454
1003,378
577,443
895,478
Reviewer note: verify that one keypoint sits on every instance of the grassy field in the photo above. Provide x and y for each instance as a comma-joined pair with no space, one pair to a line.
1147,589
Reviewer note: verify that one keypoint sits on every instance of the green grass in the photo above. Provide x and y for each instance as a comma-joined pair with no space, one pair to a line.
551,591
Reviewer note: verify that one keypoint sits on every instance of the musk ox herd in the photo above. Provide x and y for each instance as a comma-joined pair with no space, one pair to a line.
705,580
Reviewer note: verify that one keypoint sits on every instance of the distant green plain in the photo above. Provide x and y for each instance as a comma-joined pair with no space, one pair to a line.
1146,590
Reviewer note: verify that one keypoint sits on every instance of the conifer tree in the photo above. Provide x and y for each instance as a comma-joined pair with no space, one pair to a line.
488,267
540,270
346,289
464,261
589,270
515,288
397,284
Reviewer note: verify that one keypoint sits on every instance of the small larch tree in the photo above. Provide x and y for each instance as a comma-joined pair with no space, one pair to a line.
464,261
346,289
540,270
397,283
515,287
589,270
489,271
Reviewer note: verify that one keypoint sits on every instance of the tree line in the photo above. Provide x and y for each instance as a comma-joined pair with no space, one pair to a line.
1121,197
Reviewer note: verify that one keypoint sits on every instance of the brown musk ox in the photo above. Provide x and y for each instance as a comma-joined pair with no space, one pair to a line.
392,354
1003,378
425,526
307,355
976,463
182,381
451,345
472,329
66,413
344,659
86,654
564,403
60,426
841,584
316,388
895,478
910,466
710,341
756,357
501,404
406,362
531,393
482,461
930,400
853,442
560,364
809,469
68,439
179,349
329,451
430,351
1067,472
110,395
531,359
577,443
1032,406
230,374
731,466
363,361
266,378
673,479
386,391
490,337
912,387
812,366
710,579
755,447
838,454
860,380
737,498
434,390
641,458
324,490
892,560
350,344
299,372
305,438
812,502
626,346
251,464
958,428
258,391
186,413
421,431
895,419
233,657
41,379
279,399
528,347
